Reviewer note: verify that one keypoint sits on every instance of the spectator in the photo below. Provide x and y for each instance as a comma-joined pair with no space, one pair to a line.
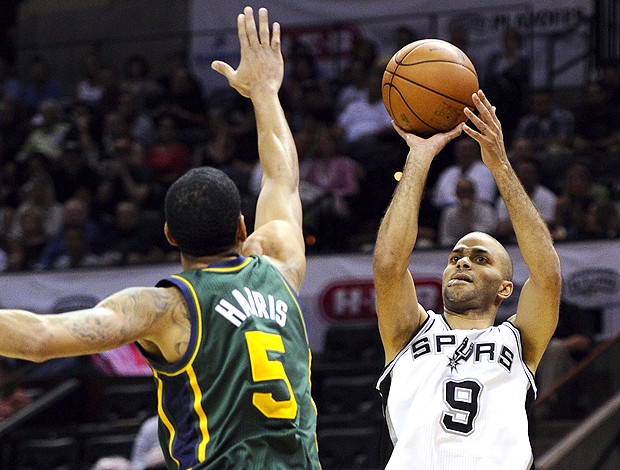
86,131
369,138
231,144
469,214
39,192
218,147
365,120
76,253
335,180
49,130
184,102
25,250
552,127
134,236
89,88
114,127
597,123
578,194
574,337
71,247
353,85
111,91
168,158
41,85
543,198
602,220
74,176
305,92
469,164
137,80
125,177
506,79
138,123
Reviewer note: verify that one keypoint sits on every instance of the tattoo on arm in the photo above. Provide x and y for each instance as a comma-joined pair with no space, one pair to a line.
120,318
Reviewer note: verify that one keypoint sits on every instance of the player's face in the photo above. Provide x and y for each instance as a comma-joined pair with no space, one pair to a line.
475,274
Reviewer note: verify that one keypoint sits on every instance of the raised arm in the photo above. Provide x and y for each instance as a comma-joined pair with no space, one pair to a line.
135,314
398,311
537,310
278,227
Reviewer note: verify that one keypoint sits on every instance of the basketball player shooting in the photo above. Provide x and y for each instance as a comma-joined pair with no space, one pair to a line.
454,387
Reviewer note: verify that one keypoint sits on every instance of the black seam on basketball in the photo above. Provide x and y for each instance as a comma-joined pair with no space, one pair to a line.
400,64
409,108
469,105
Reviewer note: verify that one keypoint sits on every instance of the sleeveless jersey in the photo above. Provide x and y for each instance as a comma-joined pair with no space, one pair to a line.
240,396
455,400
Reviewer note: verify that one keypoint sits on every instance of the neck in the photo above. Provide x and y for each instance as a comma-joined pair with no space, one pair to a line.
189,262
470,320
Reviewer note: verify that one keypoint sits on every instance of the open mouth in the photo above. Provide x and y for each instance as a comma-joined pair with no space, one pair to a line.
460,279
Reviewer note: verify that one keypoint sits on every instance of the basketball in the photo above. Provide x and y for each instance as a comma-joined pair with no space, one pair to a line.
426,85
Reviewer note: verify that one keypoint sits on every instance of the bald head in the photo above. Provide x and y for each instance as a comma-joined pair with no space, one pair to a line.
490,243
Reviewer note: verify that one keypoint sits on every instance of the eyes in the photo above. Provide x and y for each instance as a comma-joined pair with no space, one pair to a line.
478,259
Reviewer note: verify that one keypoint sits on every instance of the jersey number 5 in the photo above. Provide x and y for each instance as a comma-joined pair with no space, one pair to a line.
462,400
263,369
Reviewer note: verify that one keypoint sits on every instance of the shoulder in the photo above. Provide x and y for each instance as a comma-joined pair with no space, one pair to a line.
278,243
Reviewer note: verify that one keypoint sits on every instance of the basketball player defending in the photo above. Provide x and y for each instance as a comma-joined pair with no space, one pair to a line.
454,386
225,337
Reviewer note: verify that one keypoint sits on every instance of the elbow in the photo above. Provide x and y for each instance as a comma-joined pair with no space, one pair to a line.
35,346
551,276
386,263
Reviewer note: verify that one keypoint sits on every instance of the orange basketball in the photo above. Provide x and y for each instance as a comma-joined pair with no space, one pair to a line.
427,84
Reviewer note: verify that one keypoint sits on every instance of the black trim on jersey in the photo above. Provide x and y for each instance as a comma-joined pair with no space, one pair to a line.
387,446
425,326
383,386
528,372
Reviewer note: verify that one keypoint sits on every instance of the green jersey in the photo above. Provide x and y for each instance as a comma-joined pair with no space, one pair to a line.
240,396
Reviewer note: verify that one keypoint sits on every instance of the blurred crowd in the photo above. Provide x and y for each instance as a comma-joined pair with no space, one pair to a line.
83,177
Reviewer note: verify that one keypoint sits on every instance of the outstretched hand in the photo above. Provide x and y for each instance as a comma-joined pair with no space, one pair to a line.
488,132
433,145
261,66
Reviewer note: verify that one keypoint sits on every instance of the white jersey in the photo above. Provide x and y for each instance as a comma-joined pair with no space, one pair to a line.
455,399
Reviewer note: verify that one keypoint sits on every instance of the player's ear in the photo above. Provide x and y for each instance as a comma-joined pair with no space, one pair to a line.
505,290
168,236
242,231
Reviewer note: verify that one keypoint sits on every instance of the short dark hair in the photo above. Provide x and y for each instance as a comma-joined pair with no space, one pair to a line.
202,208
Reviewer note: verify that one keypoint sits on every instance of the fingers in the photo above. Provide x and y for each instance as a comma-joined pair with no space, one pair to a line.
250,26
400,131
275,37
263,23
241,32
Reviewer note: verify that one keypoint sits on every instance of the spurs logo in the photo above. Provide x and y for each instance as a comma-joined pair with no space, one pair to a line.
462,353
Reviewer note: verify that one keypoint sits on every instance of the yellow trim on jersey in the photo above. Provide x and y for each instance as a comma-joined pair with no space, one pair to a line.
204,428
225,269
198,334
294,297
164,419
193,381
